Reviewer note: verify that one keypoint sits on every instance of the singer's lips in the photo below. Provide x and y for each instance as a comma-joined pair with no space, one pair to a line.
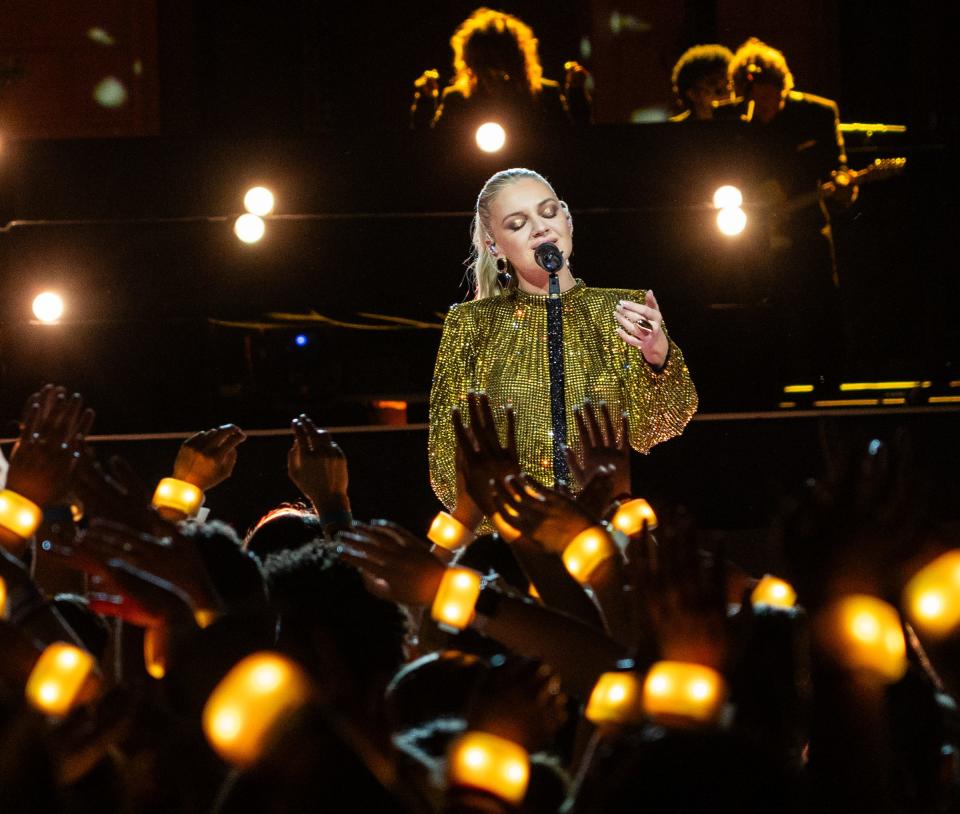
544,242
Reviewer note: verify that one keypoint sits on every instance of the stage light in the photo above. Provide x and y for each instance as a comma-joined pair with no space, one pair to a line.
249,700
932,596
301,340
258,201
491,137
731,221
48,307
727,196
110,92
249,228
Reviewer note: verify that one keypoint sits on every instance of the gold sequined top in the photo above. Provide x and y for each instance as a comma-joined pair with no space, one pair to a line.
498,345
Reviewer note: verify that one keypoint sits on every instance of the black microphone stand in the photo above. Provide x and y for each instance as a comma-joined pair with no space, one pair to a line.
558,395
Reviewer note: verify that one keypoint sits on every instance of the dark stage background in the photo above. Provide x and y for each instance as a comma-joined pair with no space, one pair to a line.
126,206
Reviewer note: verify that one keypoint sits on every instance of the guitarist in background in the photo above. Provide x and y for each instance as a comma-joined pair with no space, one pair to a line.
805,164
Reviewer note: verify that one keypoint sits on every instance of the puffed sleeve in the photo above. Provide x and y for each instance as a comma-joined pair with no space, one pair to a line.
659,403
451,376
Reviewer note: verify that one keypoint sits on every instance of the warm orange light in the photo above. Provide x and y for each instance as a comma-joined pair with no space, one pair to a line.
617,698
248,701
932,596
57,678
865,633
775,592
258,201
683,691
504,529
586,551
484,761
3,599
727,196
18,514
491,137
449,533
178,495
48,307
630,516
154,653
249,228
456,597
731,221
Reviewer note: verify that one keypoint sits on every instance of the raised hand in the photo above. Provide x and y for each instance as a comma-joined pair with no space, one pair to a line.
318,467
51,437
480,455
519,699
641,327
117,493
395,564
544,515
678,594
172,560
208,457
601,445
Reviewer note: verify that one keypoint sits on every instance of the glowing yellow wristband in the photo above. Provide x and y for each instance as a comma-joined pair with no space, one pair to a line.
864,633
680,691
19,515
204,618
617,698
248,701
630,517
495,765
504,529
586,551
932,596
777,593
56,681
456,597
449,533
154,653
178,495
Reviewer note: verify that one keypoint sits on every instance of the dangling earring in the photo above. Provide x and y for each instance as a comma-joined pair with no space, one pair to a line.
501,264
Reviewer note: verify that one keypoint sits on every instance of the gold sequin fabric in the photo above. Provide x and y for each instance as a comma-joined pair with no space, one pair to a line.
498,345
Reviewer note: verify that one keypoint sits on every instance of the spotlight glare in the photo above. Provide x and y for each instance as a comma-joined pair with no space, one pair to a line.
301,340
258,201
249,228
727,196
731,221
491,137
48,307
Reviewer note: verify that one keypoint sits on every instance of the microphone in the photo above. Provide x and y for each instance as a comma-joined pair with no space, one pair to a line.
549,257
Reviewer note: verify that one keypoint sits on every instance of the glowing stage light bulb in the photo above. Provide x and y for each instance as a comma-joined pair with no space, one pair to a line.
491,137
258,201
731,221
48,307
249,228
727,196
251,698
